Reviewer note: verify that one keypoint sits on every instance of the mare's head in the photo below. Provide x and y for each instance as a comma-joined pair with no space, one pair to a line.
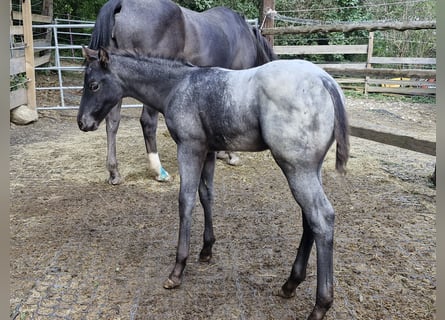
101,90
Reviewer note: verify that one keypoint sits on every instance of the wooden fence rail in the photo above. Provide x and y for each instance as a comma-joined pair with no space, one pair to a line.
369,26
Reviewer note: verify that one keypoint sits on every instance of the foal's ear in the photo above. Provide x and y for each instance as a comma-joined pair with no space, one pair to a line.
104,57
89,54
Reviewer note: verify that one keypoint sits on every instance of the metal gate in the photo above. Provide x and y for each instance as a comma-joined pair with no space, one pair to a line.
68,38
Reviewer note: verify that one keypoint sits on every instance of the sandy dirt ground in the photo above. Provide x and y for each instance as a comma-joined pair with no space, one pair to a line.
83,249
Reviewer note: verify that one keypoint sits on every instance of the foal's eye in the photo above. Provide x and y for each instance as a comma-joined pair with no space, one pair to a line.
94,86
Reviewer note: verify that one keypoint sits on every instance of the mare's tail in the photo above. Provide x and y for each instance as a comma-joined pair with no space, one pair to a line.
341,125
264,49
103,28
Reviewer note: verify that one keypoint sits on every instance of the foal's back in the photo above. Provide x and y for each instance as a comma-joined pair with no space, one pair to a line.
283,105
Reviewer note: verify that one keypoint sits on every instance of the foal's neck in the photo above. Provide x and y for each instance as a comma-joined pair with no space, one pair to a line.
150,80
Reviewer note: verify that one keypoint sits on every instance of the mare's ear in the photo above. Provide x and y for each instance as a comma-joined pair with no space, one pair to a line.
89,54
104,57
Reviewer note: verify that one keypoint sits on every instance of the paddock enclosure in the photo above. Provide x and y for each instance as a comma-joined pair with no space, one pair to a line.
83,249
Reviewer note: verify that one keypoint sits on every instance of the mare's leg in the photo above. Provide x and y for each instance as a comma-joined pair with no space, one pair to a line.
206,198
318,223
149,123
191,161
112,124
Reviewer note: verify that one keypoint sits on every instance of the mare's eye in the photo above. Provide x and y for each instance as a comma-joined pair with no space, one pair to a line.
94,86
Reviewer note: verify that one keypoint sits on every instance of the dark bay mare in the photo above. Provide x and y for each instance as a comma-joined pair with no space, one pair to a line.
216,37
291,107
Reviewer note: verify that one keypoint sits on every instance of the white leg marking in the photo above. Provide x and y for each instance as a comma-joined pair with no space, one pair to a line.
154,165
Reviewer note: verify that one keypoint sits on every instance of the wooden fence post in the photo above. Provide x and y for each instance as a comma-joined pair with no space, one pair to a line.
267,20
368,58
29,53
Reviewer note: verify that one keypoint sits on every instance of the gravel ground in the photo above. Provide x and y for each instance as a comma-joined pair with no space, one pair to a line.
82,249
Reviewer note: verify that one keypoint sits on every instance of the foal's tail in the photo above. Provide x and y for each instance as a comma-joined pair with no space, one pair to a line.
264,49
341,126
103,28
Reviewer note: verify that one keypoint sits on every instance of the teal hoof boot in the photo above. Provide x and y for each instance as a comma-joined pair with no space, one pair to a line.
163,176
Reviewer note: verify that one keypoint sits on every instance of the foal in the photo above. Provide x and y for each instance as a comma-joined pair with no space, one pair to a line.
291,107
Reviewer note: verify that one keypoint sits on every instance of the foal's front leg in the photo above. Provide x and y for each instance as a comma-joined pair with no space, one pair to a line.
190,167
149,123
206,198
112,124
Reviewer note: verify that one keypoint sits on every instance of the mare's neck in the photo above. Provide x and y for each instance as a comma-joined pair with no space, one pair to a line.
149,80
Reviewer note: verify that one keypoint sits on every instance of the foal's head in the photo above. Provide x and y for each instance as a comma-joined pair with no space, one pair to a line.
101,89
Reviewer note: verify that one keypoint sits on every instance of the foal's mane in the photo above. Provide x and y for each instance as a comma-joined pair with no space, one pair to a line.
143,56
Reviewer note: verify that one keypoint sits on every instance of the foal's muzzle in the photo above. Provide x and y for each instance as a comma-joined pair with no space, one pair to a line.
87,124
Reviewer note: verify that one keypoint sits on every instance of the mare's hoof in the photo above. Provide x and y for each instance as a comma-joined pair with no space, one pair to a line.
222,155
170,284
234,160
163,176
205,258
286,295
230,157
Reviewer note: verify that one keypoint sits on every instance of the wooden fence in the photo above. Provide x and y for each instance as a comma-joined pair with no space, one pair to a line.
24,58
375,77
417,77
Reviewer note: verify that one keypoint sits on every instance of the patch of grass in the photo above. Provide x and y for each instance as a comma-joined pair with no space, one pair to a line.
390,97
24,315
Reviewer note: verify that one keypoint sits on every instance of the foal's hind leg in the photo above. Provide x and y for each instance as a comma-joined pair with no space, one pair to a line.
318,223
149,123
112,125
298,273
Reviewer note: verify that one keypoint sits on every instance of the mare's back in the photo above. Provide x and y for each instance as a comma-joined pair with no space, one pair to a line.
221,37
216,37
155,27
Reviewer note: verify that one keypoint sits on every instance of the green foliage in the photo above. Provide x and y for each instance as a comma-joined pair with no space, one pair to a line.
249,9
88,10
17,81
84,10
325,11
410,43
390,43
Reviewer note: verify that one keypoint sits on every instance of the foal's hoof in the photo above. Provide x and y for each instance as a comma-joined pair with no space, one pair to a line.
163,176
170,284
115,180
